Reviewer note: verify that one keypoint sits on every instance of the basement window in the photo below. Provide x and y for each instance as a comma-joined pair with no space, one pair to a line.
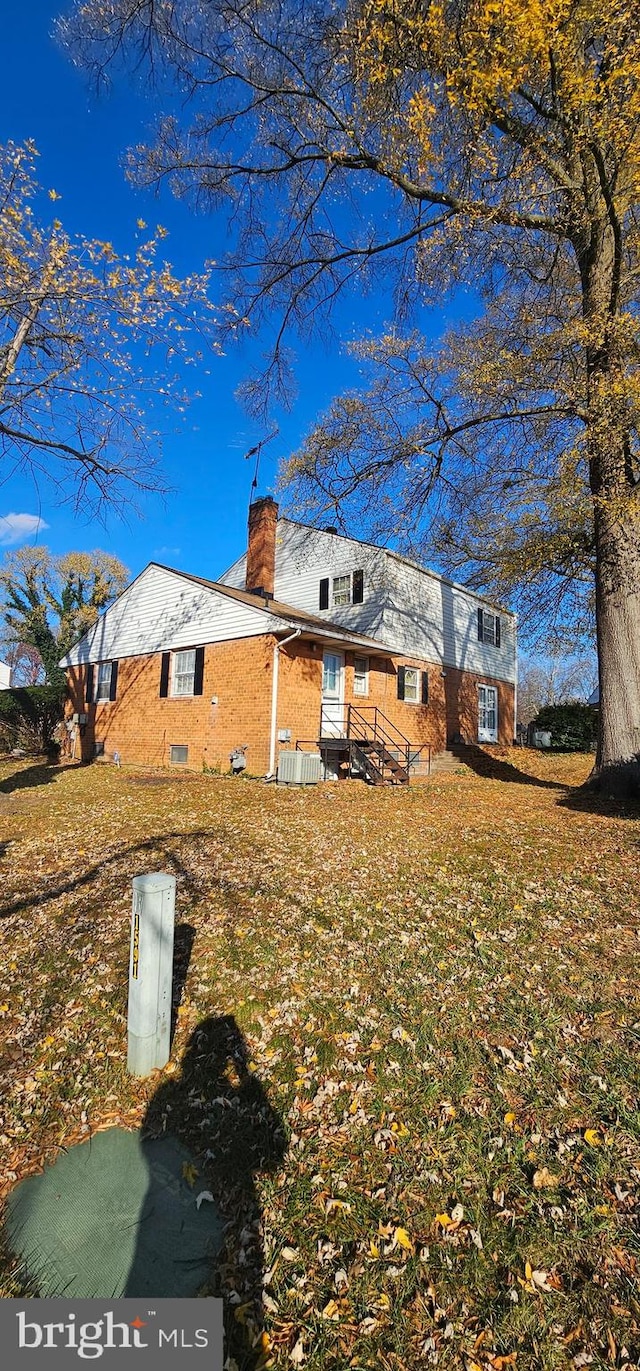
178,754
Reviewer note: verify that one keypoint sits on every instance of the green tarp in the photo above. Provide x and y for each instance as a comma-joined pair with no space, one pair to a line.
115,1216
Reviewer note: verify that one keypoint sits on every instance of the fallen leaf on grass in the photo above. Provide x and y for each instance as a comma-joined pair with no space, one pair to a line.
543,1179
330,1311
404,1241
541,1280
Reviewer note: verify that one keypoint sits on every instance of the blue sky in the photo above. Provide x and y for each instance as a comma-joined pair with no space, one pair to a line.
201,524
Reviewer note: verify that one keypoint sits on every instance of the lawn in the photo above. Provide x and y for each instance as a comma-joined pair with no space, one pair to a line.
415,1089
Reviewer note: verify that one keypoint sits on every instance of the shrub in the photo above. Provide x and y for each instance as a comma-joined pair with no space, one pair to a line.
573,726
29,716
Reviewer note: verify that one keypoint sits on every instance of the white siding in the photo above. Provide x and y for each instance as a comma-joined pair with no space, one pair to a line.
430,617
465,650
162,610
405,608
304,556
414,611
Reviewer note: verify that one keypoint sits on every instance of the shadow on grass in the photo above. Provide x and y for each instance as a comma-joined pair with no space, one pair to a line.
218,1109
183,939
41,773
493,768
156,845
585,800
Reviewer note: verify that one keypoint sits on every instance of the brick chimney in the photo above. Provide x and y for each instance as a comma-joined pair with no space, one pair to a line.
261,552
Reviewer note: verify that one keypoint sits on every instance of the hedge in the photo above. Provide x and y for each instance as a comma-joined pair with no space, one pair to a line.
573,726
29,715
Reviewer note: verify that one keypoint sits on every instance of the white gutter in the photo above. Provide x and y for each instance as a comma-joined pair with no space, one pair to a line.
274,699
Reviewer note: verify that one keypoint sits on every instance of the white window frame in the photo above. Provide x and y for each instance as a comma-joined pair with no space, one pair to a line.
488,709
103,682
180,675
363,675
342,596
413,698
489,627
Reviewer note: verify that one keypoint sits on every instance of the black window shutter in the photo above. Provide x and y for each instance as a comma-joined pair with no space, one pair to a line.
324,593
425,688
497,630
480,627
401,683
113,688
164,676
199,671
88,694
357,595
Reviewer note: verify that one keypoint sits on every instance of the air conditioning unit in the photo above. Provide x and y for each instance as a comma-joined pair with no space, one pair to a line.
299,768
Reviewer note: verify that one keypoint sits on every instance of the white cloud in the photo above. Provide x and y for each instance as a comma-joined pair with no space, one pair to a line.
166,552
18,528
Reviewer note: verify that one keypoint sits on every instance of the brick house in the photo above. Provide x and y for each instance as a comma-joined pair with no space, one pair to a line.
310,639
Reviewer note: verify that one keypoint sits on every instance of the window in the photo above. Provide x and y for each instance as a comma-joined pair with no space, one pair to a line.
488,627
342,590
101,682
103,687
183,672
346,589
178,754
361,675
413,685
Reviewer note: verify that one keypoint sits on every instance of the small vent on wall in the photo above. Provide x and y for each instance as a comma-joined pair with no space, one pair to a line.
178,754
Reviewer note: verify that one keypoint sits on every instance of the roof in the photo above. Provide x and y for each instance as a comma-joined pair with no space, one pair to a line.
285,617
297,618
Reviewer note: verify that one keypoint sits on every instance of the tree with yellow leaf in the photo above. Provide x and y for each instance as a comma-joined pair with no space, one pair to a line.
79,329
492,142
48,601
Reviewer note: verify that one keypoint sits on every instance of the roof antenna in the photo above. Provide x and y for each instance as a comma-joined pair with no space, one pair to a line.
255,452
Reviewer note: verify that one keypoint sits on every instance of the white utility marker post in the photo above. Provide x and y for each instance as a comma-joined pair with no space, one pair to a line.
150,972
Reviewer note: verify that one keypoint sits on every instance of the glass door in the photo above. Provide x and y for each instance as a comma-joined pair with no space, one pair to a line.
487,714
333,713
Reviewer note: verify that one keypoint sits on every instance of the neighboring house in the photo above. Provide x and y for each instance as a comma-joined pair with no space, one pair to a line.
5,676
310,638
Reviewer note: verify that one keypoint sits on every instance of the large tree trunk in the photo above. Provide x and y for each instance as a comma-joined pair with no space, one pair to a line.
617,768
615,502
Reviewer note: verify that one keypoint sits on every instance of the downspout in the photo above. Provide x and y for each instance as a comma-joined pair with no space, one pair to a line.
274,699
